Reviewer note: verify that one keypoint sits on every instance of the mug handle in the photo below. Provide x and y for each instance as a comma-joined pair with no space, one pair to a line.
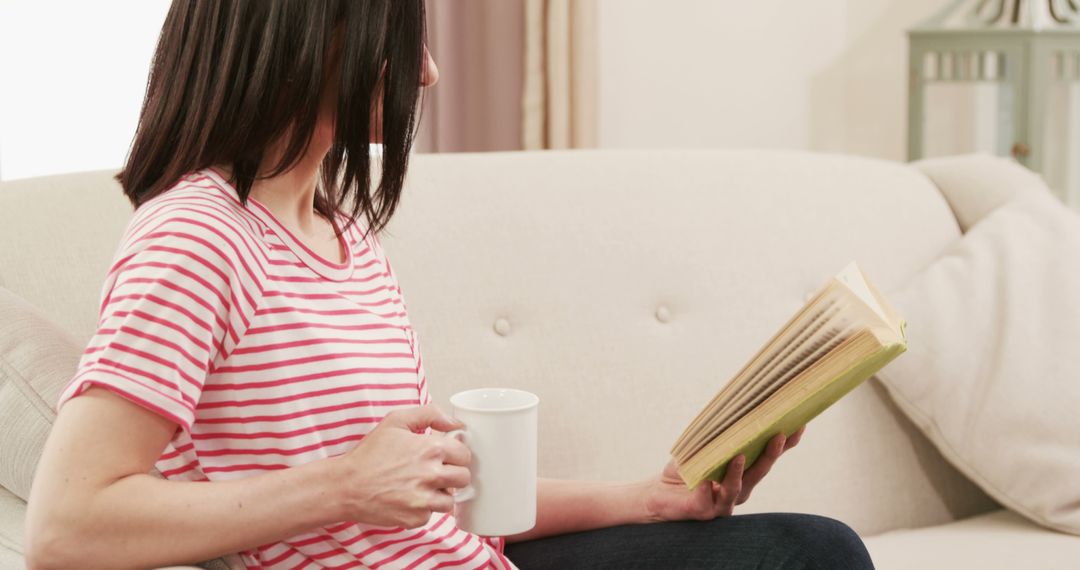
468,492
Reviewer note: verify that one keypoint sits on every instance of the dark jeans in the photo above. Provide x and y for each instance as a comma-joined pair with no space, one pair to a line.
756,541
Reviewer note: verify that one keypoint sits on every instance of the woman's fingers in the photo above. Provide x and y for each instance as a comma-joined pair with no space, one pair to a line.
761,467
794,439
453,477
772,452
730,487
455,452
441,501
739,482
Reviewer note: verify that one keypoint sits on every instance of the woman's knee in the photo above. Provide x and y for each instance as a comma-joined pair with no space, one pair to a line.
822,542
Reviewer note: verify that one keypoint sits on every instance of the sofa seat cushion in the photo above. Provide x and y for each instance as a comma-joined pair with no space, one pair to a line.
12,515
1001,540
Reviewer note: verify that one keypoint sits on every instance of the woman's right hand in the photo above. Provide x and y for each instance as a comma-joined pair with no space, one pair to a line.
397,475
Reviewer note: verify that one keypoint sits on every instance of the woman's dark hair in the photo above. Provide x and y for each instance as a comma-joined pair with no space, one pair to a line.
230,77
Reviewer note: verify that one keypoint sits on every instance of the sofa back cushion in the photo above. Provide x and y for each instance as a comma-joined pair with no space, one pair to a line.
623,287
58,234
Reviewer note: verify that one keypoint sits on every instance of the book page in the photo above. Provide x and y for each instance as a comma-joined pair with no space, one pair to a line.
785,353
773,351
846,304
852,277
799,401
827,336
821,347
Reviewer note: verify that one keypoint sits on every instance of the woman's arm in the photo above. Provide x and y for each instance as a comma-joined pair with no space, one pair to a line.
94,505
564,506
571,506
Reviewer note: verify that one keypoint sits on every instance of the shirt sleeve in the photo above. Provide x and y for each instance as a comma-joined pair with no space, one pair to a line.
172,302
421,375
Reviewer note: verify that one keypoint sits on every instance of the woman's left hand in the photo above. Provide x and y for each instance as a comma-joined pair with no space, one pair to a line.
668,499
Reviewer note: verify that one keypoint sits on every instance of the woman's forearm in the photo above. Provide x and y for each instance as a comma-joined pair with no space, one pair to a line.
141,521
564,506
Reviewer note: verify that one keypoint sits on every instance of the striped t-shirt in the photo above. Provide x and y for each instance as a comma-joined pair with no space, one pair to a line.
267,356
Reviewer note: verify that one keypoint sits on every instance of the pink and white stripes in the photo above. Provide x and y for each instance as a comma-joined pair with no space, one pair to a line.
266,356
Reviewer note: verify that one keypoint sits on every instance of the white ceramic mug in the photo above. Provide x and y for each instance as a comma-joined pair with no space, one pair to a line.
500,430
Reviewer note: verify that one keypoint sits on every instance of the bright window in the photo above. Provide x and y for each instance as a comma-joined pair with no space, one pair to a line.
72,79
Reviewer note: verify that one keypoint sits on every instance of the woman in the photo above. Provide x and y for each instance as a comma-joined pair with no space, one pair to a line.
253,335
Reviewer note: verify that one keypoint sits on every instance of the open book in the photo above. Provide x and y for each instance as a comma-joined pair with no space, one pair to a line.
842,336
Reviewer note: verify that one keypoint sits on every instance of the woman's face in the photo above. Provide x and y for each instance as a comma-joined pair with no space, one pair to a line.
323,136
429,75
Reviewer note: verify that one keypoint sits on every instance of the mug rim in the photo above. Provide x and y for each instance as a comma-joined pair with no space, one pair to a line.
534,401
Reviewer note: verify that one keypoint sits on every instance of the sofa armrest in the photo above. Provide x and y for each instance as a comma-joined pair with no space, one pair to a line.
976,184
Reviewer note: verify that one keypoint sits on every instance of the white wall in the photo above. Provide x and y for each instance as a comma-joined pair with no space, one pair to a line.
825,75
822,75
72,79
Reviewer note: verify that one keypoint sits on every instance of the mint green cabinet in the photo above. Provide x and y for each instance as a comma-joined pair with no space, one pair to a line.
1000,76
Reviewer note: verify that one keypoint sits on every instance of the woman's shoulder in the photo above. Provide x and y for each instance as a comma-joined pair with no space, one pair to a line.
197,212
196,195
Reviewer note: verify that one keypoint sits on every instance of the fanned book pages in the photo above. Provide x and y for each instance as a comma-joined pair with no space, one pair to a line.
841,337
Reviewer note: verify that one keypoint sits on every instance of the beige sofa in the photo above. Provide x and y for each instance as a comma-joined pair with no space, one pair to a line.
624,287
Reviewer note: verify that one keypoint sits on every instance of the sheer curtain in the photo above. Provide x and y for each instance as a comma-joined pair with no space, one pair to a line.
478,47
514,74
559,99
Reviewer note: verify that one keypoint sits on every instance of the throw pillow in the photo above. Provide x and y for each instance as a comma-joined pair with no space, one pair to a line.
37,359
992,373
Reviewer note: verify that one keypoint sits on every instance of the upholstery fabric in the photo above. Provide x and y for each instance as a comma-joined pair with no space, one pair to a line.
976,184
991,375
624,287
61,277
12,513
37,358
1001,540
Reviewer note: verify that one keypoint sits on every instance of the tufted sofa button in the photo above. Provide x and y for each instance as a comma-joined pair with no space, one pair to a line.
663,314
502,326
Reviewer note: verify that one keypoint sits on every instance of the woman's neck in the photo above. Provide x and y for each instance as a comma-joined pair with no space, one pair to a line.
290,195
